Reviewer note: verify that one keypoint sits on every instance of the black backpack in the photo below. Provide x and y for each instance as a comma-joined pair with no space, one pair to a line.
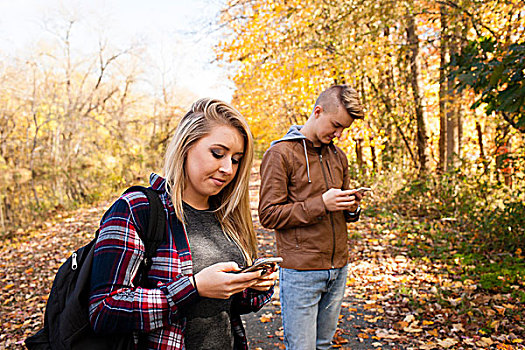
66,319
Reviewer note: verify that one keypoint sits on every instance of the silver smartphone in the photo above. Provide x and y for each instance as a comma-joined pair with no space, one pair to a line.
262,263
362,190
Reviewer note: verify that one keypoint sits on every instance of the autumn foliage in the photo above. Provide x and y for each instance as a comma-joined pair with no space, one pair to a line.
439,258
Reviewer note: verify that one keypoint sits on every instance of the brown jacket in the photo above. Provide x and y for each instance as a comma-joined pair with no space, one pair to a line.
293,178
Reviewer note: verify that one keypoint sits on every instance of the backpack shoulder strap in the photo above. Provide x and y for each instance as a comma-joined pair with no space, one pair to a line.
156,231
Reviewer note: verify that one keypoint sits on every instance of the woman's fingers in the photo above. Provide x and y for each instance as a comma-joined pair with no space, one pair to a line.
266,281
218,281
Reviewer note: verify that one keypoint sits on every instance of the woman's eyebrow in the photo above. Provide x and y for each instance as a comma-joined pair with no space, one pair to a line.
221,146
225,147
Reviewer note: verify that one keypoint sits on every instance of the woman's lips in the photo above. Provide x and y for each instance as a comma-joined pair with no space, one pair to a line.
218,182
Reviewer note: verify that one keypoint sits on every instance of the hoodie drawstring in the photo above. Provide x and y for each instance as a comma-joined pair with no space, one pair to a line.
307,163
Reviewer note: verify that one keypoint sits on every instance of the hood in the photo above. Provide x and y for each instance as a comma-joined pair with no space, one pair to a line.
292,134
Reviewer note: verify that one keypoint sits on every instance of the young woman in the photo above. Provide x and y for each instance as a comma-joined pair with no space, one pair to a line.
193,301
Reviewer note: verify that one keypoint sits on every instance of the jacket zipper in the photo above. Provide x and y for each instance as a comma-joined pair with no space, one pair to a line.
329,172
331,217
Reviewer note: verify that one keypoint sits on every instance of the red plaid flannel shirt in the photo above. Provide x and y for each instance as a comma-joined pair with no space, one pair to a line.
117,306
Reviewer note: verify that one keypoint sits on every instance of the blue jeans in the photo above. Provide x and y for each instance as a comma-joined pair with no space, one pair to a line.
310,306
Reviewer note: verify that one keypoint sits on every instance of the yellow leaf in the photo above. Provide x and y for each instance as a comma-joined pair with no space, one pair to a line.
400,325
499,309
369,306
458,327
433,332
484,342
428,346
400,259
447,343
413,330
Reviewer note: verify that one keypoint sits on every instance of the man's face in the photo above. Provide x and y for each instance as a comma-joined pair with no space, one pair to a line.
330,124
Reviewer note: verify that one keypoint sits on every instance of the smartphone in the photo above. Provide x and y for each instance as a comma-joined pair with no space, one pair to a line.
262,263
362,190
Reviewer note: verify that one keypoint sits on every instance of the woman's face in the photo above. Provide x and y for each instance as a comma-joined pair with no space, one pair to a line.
211,164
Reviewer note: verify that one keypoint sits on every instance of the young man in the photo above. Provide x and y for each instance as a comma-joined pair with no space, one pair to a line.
305,198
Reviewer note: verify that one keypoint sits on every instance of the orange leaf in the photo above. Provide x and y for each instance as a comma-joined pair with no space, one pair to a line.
266,318
433,332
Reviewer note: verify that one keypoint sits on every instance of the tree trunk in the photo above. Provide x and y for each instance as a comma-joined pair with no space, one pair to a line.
359,154
443,92
503,154
34,144
2,221
414,80
459,116
480,141
481,150
373,152
462,44
388,107
452,120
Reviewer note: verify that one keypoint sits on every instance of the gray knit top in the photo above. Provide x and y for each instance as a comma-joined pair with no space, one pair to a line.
208,321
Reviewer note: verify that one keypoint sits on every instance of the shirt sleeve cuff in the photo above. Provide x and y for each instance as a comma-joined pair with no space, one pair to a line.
316,207
180,294
352,216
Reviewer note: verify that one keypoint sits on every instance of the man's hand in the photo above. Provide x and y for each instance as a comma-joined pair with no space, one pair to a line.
336,199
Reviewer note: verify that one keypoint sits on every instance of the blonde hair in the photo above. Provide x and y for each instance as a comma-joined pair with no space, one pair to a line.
232,204
341,95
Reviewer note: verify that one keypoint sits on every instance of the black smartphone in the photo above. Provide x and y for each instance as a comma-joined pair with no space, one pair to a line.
262,263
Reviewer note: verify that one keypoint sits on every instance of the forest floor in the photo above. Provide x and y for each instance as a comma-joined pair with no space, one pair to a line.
392,300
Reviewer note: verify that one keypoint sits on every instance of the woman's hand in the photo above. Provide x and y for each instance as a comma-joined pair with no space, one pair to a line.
217,281
267,280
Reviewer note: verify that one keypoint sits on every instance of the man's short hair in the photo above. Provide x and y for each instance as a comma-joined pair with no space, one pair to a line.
341,95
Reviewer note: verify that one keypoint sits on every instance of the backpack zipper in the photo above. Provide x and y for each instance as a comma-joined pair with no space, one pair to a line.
74,263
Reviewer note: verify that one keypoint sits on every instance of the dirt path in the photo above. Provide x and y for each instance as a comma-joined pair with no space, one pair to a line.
357,327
